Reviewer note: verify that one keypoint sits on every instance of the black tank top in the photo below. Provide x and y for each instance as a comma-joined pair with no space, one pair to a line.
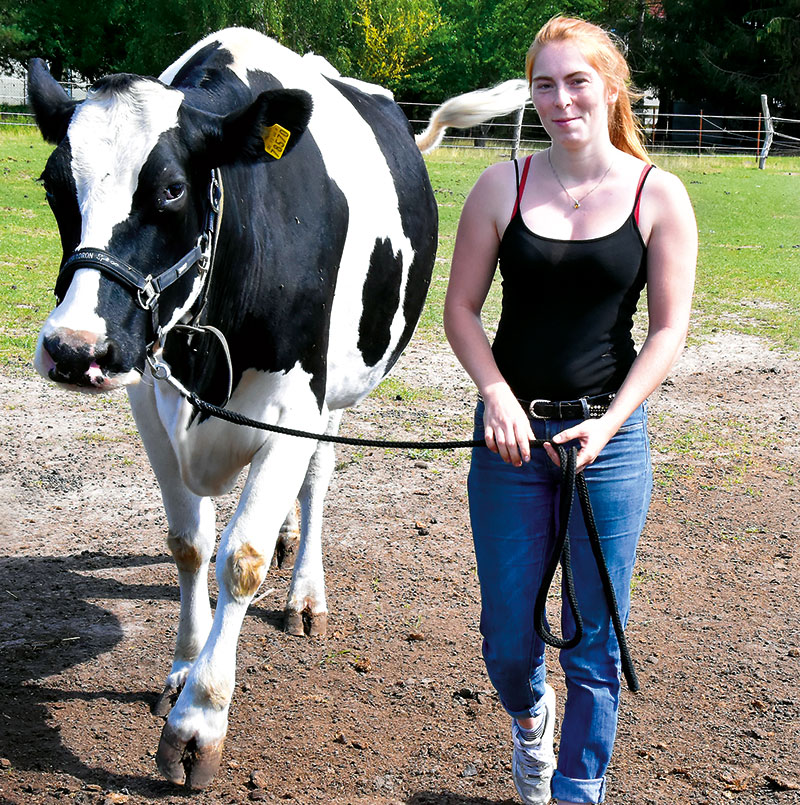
568,306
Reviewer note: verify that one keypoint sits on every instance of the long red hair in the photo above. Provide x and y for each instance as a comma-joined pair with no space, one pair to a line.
603,53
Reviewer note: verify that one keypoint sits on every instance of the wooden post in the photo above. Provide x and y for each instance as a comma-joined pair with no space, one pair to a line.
762,159
517,132
700,137
758,137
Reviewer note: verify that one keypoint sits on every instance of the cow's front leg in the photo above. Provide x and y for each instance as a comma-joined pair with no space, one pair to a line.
191,742
192,533
306,607
191,550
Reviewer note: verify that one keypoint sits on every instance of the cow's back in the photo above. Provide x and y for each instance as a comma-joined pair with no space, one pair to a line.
367,154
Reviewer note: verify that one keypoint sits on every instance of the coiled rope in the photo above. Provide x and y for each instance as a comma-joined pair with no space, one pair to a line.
570,480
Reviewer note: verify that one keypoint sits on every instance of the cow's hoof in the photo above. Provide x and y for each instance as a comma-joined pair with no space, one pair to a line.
305,623
185,763
293,623
285,551
166,700
319,625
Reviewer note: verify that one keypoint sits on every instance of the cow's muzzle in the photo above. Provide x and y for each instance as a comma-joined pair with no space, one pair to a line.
79,360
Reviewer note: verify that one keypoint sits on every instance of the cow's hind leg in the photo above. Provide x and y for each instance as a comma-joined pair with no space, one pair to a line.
191,538
306,607
285,553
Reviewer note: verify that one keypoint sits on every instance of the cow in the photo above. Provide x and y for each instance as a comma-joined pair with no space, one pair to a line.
256,229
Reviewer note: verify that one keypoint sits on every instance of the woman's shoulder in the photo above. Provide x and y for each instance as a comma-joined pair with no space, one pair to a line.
659,181
495,190
665,191
665,202
497,176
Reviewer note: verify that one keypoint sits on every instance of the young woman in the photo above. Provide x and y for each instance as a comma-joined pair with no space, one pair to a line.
578,230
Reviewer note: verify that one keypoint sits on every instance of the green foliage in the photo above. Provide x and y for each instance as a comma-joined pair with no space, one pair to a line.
723,54
94,38
396,34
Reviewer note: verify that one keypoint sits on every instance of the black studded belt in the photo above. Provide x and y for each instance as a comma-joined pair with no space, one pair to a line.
583,408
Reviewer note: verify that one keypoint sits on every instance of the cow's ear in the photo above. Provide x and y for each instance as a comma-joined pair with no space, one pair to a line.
52,106
267,129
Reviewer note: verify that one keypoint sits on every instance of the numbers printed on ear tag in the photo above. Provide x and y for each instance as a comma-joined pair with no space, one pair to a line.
276,138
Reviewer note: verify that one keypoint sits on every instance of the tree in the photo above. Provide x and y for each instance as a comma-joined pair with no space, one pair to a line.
723,54
719,54
483,42
395,33
93,38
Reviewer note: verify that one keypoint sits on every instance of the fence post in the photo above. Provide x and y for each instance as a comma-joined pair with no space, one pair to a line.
517,132
700,137
758,138
762,159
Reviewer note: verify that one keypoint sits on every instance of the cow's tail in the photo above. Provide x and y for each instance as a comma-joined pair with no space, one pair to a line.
472,108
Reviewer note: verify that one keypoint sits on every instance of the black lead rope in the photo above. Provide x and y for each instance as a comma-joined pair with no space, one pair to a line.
240,419
570,481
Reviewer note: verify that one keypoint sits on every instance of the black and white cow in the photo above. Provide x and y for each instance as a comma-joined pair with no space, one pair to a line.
313,274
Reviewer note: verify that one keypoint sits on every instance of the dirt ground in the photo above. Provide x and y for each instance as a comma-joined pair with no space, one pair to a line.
394,706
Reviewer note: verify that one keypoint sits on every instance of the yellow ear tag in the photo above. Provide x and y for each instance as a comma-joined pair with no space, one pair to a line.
275,139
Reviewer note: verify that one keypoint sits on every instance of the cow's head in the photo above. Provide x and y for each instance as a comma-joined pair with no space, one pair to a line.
129,187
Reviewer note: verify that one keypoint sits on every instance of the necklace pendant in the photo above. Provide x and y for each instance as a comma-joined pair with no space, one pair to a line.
576,205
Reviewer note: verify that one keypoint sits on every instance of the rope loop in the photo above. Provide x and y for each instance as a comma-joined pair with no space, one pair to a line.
572,481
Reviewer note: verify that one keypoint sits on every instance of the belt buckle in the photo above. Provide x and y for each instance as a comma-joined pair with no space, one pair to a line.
532,413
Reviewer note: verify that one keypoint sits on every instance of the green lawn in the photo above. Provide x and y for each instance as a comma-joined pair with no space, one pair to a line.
748,276
749,222
29,246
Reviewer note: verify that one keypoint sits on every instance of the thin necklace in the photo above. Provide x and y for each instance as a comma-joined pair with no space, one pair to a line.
576,203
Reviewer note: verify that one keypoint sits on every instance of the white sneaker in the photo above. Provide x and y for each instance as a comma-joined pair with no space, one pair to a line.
533,762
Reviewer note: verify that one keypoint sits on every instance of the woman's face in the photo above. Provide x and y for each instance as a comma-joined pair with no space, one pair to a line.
570,95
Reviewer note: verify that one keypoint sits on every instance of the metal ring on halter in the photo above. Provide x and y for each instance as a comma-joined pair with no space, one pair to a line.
201,328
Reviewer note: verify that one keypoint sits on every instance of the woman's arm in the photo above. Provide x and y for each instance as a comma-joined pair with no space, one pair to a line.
671,263
486,212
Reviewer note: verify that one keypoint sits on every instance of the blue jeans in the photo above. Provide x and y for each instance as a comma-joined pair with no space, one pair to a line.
514,513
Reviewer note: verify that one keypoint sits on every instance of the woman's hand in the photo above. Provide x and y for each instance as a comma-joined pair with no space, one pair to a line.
591,434
507,427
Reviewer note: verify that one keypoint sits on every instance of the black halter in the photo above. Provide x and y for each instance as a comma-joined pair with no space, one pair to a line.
146,290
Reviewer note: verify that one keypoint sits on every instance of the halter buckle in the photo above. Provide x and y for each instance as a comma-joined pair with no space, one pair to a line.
147,294
214,192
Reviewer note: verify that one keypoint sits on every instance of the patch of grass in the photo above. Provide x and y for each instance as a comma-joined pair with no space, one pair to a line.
390,388
30,250
641,580
749,263
100,438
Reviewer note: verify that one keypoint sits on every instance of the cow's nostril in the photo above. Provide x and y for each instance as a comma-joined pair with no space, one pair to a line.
68,353
107,355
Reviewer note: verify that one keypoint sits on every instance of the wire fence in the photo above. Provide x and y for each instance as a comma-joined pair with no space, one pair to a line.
675,133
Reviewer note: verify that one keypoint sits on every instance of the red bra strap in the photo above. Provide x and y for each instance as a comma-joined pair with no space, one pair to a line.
638,199
521,184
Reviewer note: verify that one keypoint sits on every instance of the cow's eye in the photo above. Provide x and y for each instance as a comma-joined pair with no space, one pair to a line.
174,191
